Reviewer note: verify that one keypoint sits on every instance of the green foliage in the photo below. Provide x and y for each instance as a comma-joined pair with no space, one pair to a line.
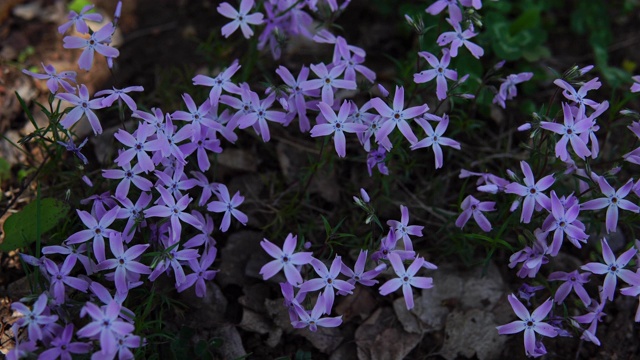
77,5
38,217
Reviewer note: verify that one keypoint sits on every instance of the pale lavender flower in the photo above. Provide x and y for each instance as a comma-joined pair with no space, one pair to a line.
572,281
83,106
635,87
134,213
508,88
403,229
228,205
452,5
570,132
532,257
120,95
106,325
458,38
175,210
532,192
166,142
124,263
578,97
55,80
203,143
97,230
195,115
204,237
35,318
593,317
175,180
388,246
613,200
221,82
327,81
531,323
71,251
614,268
297,103
138,146
397,116
435,139
440,72
62,347
315,319
292,302
561,221
358,275
128,175
99,203
59,277
71,146
474,207
377,158
336,125
208,188
79,20
201,273
352,63
98,41
328,280
258,115
406,279
241,18
286,259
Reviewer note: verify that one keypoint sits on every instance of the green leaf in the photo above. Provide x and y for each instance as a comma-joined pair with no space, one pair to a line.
5,170
21,228
77,5
528,20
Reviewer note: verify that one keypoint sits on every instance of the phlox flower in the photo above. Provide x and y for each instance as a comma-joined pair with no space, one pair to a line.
228,205
561,221
387,246
435,139
572,281
613,200
201,273
328,280
397,116
203,142
531,257
297,103
241,18
614,268
98,41
62,347
633,290
531,191
166,142
508,88
134,213
492,183
285,258
593,317
175,180
206,229
578,97
195,115
328,82
174,209
97,230
402,228
315,319
124,262
336,125
208,188
70,251
531,323
455,13
358,275
79,20
106,325
292,301
128,175
458,38
635,87
83,106
570,132
71,146
55,80
406,279
137,146
258,115
376,158
440,72
120,95
526,292
351,62
99,203
474,207
372,121
221,82
59,277
35,318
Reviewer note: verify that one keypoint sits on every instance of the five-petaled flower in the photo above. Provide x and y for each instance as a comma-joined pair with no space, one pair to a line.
532,192
285,258
406,279
228,206
614,268
96,42
336,125
241,18
440,72
472,206
614,199
83,106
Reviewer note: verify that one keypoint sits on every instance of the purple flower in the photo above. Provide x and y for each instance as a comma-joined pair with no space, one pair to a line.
328,280
613,200
98,41
351,62
388,246
59,277
167,141
97,230
71,146
328,81
219,83
258,115
358,275
83,106
62,347
173,209
593,317
172,258
532,257
472,206
526,292
286,259
570,132
531,191
530,323
403,229
508,87
208,188
633,290
195,116
614,268
572,281
176,182
201,273
457,38
398,116
134,213
120,95
106,325
228,206
55,80
291,302
314,319
561,221
71,251
377,158
206,229
35,318
406,279
124,263
454,11
439,72
336,125
138,146
579,96
79,20
240,18
99,203
435,138
128,176
297,104
204,142
635,87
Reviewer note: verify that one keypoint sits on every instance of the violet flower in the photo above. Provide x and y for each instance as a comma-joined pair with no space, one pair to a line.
458,38
614,268
98,41
297,103
508,88
403,229
221,82
635,87
201,273
259,114
579,96
561,221
570,132
83,106
128,175
327,81
397,116
79,20
440,72
358,275
286,259
106,325
532,192
120,95
71,146
474,207
137,146
62,347
314,319
97,230
241,18
406,279
613,200
35,318
452,5
328,280
55,80
336,125
124,263
228,206
59,277
377,158
175,210
572,281
435,139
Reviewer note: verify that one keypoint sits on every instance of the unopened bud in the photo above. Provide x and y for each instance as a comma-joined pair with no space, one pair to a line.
364,195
